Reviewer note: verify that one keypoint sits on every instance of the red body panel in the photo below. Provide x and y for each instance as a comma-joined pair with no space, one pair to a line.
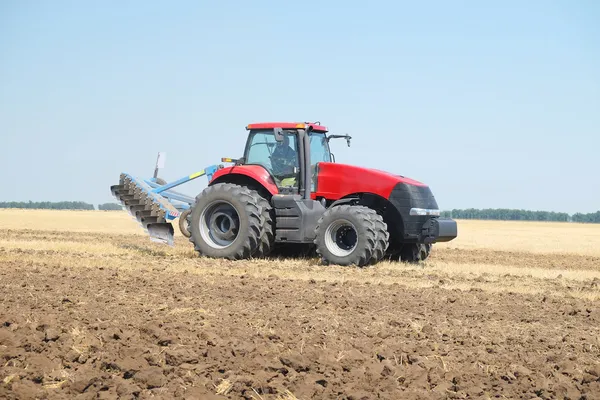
339,180
286,125
255,172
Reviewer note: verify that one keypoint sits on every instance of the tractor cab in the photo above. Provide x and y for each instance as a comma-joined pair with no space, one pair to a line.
288,151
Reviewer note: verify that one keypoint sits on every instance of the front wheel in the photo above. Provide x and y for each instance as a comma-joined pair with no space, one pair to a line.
415,252
350,235
226,222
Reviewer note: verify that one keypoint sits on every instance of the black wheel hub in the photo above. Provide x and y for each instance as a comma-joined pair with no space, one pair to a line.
346,238
223,226
219,224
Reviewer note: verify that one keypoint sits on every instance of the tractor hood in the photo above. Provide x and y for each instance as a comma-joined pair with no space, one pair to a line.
397,178
339,180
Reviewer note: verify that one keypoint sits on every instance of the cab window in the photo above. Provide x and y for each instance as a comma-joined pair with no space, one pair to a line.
279,158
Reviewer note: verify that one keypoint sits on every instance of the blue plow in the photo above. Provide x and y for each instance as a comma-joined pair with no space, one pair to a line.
154,206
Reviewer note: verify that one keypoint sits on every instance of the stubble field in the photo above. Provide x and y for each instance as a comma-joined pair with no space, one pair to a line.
90,308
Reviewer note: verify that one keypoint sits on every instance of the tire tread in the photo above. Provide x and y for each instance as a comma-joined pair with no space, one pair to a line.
267,235
253,212
375,234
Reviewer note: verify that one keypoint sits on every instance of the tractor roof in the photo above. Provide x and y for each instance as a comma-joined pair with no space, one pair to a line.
287,125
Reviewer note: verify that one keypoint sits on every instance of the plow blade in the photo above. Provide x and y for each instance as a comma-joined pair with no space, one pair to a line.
152,211
161,233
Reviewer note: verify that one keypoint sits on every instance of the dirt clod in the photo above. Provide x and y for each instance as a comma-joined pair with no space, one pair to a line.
151,377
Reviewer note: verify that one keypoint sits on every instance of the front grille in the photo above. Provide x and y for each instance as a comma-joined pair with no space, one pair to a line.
404,197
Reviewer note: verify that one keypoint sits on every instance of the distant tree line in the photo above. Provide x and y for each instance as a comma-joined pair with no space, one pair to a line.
48,205
504,214
109,206
59,205
591,217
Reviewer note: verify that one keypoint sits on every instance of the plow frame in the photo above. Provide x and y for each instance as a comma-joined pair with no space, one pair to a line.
183,201
153,205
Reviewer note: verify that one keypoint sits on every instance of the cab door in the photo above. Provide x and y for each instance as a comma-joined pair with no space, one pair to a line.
319,152
280,158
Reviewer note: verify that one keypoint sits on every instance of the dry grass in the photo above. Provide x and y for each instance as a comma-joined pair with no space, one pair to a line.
224,387
523,257
286,395
72,221
531,237
91,247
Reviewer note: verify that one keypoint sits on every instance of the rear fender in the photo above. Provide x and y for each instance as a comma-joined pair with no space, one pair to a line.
253,176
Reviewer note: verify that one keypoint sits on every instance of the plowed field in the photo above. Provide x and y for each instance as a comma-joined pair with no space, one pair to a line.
90,308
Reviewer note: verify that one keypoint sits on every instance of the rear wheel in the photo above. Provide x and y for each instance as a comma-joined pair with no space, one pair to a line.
226,222
350,235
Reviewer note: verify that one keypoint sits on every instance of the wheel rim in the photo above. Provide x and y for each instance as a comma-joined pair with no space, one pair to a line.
219,224
341,238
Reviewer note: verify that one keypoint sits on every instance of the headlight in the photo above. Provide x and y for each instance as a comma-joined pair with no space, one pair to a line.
424,211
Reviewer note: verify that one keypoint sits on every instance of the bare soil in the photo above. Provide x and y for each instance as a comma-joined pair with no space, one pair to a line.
141,322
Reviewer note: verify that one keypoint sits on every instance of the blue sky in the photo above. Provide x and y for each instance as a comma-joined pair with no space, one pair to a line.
492,105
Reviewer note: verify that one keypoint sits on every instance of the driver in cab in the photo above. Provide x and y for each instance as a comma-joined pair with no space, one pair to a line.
285,162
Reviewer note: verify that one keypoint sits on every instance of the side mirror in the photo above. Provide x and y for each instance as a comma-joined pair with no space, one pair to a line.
347,137
278,134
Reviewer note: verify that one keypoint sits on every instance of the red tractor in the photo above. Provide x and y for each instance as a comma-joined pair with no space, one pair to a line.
287,188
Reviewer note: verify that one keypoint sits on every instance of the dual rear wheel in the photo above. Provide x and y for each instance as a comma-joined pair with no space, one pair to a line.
231,221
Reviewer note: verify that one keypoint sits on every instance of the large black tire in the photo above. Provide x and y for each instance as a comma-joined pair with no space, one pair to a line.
350,235
226,222
267,235
415,252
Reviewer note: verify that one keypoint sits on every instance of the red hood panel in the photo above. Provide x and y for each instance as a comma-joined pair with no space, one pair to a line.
335,180
339,180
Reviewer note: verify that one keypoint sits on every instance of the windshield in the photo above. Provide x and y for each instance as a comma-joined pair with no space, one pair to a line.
319,148
319,152
280,158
